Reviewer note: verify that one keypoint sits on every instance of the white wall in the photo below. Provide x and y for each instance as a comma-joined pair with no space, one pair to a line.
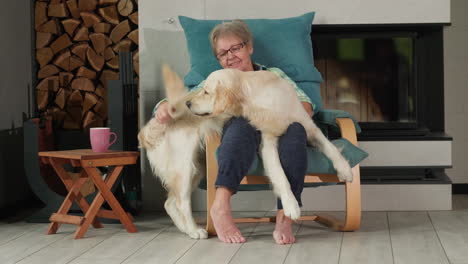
15,62
327,11
456,89
162,41
15,75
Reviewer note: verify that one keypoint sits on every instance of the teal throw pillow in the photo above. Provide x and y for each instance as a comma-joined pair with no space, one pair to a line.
283,43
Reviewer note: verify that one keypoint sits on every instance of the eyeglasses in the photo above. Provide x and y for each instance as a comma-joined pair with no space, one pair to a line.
233,49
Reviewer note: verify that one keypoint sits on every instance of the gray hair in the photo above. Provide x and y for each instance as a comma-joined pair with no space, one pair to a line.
235,27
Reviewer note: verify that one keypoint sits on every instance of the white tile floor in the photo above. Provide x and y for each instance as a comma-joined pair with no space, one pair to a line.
384,237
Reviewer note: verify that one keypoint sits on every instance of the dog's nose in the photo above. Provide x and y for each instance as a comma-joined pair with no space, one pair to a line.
188,104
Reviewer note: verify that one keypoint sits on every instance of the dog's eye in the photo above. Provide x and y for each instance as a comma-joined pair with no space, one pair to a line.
206,92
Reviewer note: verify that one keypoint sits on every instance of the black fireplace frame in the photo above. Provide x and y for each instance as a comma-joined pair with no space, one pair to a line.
428,77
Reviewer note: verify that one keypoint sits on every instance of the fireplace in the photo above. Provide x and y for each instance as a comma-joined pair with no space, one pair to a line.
389,77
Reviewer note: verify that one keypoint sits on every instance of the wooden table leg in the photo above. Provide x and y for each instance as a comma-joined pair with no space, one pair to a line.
104,194
97,202
57,164
84,204
105,190
71,186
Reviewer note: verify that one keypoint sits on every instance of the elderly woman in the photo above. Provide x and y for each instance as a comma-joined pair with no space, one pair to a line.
232,44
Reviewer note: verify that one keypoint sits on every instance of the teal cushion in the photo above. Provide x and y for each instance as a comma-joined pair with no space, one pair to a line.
317,163
327,118
283,43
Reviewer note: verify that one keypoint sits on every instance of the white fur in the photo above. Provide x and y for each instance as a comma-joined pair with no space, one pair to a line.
270,103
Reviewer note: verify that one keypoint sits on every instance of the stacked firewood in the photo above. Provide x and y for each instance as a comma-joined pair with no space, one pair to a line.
77,45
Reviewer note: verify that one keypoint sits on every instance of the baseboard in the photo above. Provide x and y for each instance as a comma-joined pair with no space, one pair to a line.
383,197
375,197
20,210
460,188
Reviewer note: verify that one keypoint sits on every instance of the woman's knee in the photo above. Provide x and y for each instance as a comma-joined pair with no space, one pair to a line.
236,152
294,137
238,131
238,125
292,148
296,130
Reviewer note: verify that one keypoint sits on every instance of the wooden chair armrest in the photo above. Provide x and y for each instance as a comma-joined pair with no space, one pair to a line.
347,129
212,142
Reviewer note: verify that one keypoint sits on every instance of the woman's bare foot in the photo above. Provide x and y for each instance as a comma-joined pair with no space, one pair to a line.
283,230
223,222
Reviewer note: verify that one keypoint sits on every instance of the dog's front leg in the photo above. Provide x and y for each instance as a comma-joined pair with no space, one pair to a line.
171,209
182,190
176,208
273,168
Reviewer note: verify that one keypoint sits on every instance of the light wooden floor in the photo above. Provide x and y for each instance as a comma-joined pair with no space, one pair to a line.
385,237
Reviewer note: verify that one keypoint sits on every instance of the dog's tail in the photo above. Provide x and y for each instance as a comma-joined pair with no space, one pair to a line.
175,91
173,84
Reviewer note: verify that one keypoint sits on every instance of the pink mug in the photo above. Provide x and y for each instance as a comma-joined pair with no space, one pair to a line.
100,137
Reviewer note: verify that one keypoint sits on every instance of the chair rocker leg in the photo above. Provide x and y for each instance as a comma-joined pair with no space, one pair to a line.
352,220
209,222
212,142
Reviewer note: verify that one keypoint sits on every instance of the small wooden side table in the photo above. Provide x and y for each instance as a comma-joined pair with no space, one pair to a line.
89,161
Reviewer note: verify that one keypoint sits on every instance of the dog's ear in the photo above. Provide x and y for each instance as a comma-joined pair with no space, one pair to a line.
173,84
228,99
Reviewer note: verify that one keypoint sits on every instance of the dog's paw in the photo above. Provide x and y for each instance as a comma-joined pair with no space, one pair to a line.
291,208
198,234
344,172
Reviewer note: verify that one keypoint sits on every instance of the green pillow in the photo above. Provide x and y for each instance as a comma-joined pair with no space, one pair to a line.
283,43
328,118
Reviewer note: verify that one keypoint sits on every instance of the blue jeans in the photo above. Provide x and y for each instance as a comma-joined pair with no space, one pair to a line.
239,145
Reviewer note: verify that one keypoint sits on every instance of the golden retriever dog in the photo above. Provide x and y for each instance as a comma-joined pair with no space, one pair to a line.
175,153
270,103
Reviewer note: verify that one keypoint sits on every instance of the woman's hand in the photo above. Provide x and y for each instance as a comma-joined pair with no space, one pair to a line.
308,108
162,113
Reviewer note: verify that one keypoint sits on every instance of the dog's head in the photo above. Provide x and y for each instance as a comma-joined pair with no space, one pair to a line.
221,94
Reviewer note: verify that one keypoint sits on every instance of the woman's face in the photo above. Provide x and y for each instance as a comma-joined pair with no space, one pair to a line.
233,53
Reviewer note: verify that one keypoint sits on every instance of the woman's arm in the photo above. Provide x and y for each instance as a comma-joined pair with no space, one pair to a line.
308,107
305,100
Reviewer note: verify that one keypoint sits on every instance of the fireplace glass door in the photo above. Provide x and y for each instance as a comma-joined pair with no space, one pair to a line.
370,75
